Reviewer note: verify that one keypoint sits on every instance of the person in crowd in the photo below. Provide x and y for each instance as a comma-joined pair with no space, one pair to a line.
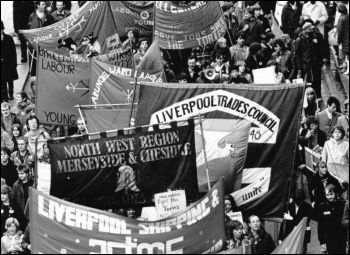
239,52
26,244
22,156
61,12
279,78
316,10
259,14
321,179
288,42
331,234
231,21
35,133
254,60
310,107
267,47
328,118
312,136
22,104
221,48
16,133
202,78
8,119
22,185
343,121
131,213
21,13
262,242
336,149
235,78
291,14
343,35
67,6
45,158
235,231
8,168
132,41
283,57
143,47
8,63
251,27
345,221
230,205
242,67
192,70
6,140
220,67
9,209
12,239
182,77
81,124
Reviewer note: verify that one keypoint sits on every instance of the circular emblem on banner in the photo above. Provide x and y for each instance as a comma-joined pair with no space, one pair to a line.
144,15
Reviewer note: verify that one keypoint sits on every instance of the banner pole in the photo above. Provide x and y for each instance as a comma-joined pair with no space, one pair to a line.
81,116
205,152
133,100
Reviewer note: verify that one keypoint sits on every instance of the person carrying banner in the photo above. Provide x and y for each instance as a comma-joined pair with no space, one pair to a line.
262,242
132,41
61,12
331,234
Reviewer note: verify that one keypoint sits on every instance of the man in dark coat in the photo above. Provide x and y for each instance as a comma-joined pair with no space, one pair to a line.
21,13
251,27
346,219
291,14
192,70
262,242
8,64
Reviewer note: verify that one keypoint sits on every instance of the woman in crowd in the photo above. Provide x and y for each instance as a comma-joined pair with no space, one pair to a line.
12,239
242,68
279,78
336,150
283,57
229,205
20,109
9,209
235,229
310,104
16,133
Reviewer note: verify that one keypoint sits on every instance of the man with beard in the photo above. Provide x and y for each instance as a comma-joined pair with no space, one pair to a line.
331,234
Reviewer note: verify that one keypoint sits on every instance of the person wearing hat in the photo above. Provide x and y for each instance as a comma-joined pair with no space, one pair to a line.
343,121
8,65
234,76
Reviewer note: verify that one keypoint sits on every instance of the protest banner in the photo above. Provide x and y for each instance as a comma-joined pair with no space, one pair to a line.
86,30
44,177
58,226
144,163
134,15
182,26
62,82
235,216
123,58
169,203
244,129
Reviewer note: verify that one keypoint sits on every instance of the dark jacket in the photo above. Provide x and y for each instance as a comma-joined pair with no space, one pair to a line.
14,120
9,173
321,139
290,19
266,52
343,32
318,184
26,240
253,33
35,22
58,17
285,62
307,52
345,221
195,75
21,13
238,80
8,59
330,230
264,244
252,64
18,193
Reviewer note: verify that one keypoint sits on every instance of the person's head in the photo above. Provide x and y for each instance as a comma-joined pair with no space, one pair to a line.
346,107
274,64
228,7
191,63
60,6
32,123
143,44
342,8
310,94
254,223
254,48
81,124
257,10
131,213
30,111
322,168
229,203
312,123
11,226
235,229
308,28
22,143
182,78
270,38
46,150
5,109
21,97
222,42
248,13
332,104
5,154
132,34
6,194
234,71
299,196
219,57
331,193
241,38
16,130
242,68
23,172
286,38
338,133
121,212
279,46
40,5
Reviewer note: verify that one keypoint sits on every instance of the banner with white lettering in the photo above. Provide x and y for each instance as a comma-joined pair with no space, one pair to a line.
169,203
84,33
250,135
61,227
135,15
182,25
62,83
143,162
123,58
